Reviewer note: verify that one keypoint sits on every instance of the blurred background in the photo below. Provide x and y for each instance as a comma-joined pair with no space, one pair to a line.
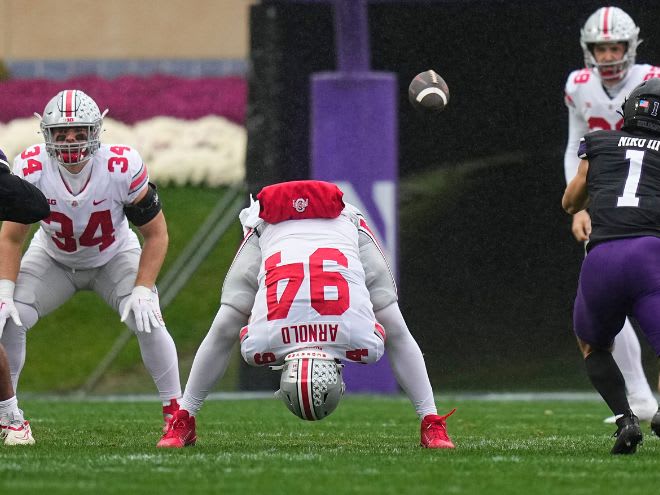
217,96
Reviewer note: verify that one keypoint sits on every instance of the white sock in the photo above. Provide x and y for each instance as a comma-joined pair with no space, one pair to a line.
9,407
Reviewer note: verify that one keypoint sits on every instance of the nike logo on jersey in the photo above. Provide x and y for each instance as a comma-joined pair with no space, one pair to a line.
98,202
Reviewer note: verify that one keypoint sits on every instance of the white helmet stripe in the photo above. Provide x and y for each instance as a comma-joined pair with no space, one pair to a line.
305,389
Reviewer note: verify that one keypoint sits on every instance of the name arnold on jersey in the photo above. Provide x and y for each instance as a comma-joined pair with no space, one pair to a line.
310,332
651,144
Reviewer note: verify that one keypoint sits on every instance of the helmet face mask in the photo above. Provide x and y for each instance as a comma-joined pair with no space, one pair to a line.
71,125
641,110
311,384
609,25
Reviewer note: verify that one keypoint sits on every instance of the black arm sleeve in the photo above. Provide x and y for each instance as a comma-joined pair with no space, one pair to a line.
141,213
20,201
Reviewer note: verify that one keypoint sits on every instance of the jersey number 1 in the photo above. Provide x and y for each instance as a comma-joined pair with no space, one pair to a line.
629,198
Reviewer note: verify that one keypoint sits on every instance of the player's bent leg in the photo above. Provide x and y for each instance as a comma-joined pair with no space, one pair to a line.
212,357
114,283
407,360
628,356
14,340
34,298
209,365
160,358
645,311
409,369
6,388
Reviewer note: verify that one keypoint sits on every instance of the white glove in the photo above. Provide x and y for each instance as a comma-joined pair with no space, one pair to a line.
144,304
7,307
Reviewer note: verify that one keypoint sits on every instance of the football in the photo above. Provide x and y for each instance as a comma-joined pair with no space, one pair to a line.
428,92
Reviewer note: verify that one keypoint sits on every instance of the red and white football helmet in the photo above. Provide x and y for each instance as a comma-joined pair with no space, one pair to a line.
311,384
610,25
72,108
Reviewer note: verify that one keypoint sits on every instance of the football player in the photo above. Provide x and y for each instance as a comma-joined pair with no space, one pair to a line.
618,179
609,40
312,281
20,202
93,190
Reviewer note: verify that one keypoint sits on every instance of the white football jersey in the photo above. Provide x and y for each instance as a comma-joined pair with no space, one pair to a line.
591,108
312,293
87,229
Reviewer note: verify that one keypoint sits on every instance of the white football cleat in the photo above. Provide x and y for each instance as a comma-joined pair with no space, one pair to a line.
644,410
16,431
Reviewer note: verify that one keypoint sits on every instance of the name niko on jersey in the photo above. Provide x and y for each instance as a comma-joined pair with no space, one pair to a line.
651,144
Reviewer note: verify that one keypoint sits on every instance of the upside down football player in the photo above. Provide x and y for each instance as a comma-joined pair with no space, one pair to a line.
309,286
94,190
609,40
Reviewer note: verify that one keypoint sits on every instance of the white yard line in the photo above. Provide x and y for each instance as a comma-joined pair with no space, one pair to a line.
480,396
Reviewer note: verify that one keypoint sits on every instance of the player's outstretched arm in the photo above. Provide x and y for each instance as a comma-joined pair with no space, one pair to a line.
154,249
146,214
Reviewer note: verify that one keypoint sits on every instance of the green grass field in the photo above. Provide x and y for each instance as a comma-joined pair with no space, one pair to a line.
369,445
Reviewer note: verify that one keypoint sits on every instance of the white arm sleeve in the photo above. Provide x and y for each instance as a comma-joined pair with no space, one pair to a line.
577,128
381,285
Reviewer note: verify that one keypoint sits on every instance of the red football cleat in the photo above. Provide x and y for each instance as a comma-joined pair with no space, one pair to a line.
434,432
168,412
181,431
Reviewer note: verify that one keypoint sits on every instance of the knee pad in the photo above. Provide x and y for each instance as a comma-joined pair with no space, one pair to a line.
227,324
28,314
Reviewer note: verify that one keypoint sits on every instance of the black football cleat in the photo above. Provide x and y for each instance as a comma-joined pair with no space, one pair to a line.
628,435
655,423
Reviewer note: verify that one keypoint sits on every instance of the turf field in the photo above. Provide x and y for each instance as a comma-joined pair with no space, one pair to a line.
369,445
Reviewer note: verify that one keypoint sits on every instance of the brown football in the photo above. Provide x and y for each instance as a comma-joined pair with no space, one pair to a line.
428,92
